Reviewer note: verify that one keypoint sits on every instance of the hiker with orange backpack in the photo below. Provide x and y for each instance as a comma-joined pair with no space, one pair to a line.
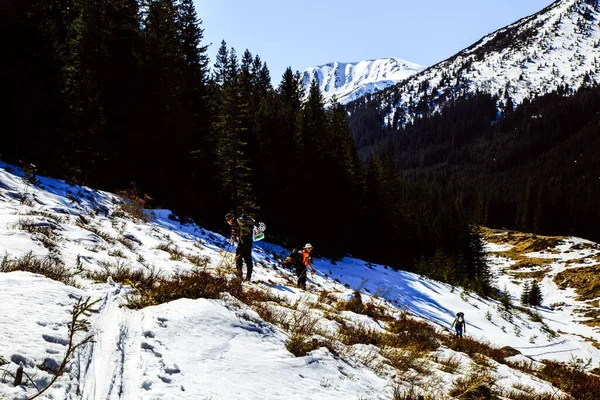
304,262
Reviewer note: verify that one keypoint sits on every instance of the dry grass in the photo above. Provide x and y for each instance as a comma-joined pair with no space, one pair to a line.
176,254
580,385
190,285
83,223
359,334
478,385
356,305
450,364
530,263
522,242
411,333
133,204
585,281
198,261
43,231
120,271
58,219
49,266
405,360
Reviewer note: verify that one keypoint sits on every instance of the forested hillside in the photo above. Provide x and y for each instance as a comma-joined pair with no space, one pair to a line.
535,168
120,95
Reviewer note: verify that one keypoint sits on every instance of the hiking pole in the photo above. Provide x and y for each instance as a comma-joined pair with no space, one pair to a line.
226,251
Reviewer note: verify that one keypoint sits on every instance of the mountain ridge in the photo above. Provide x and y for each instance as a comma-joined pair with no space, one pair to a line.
350,80
556,47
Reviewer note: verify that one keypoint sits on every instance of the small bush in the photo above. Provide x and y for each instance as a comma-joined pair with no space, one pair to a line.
301,345
198,261
411,393
404,360
49,266
117,253
134,204
176,254
95,230
578,384
478,385
408,332
450,364
361,334
356,305
191,285
42,231
471,347
49,215
523,392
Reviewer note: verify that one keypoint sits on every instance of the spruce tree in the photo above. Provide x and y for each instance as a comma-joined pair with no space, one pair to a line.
232,159
526,293
535,294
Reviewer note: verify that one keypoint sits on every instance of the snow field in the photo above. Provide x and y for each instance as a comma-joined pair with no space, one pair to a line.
223,349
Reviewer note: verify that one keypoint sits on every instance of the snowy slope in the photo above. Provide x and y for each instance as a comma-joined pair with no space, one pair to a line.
558,46
349,81
222,348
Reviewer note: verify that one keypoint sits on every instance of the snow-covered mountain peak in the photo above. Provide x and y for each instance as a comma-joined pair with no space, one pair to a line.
557,47
348,81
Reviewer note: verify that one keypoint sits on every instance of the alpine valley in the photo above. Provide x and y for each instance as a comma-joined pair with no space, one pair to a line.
469,186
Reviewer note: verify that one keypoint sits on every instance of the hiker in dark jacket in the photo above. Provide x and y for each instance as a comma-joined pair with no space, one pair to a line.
459,324
306,261
242,231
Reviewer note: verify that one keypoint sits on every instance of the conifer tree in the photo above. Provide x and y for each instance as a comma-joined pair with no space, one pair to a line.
526,293
535,294
232,158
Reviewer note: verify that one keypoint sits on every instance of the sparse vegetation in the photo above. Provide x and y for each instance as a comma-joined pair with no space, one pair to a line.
176,254
450,364
133,204
479,384
83,223
49,266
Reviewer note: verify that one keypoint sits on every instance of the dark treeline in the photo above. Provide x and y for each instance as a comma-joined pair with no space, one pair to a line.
535,169
106,93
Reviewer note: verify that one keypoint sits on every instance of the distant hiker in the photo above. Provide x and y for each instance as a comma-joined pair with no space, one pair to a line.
241,230
305,261
459,324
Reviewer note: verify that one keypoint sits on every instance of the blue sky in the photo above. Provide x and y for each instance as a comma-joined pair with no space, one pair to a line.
314,32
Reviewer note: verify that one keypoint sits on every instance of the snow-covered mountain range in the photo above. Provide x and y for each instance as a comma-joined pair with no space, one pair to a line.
557,47
348,81
267,339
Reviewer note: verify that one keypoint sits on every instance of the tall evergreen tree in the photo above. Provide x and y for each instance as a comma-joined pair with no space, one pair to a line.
526,293
232,158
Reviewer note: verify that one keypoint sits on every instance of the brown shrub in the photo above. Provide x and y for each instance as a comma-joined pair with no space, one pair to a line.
360,334
578,384
471,347
408,332
134,204
478,385
356,305
49,266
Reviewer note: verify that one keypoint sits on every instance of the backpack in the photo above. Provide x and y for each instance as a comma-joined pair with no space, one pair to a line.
293,259
246,226
460,319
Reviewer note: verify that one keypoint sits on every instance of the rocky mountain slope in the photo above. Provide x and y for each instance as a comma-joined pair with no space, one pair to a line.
556,47
348,81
